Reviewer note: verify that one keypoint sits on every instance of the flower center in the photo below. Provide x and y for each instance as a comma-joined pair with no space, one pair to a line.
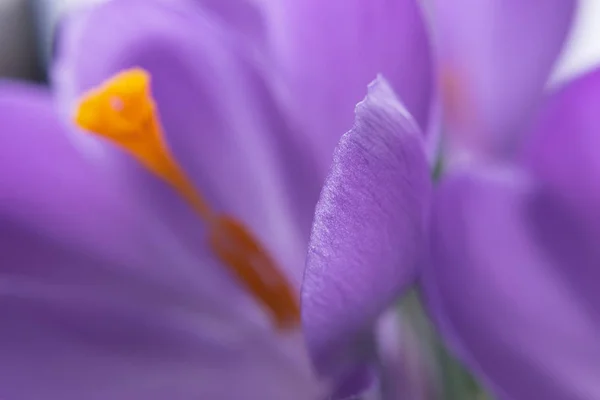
123,111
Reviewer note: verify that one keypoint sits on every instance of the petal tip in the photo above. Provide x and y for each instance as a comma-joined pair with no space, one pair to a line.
382,99
378,89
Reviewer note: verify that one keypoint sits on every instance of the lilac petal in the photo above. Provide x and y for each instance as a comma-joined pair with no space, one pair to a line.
219,117
495,57
564,147
330,50
500,295
101,298
564,154
117,337
367,234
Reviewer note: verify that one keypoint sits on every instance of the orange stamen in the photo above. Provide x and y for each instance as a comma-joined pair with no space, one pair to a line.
123,111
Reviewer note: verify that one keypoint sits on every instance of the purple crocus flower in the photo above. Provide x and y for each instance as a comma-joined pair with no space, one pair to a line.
109,289
509,248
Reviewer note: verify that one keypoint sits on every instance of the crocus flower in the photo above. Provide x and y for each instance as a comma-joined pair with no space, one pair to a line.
153,249
509,249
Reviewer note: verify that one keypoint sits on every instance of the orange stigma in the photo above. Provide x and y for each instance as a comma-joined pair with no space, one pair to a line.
123,111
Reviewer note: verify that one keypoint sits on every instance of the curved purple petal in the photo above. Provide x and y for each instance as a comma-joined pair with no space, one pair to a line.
564,147
494,59
330,50
564,153
103,295
500,294
367,233
216,107
81,337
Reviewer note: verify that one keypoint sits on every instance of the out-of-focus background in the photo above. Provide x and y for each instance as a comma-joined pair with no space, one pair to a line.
26,36
18,48
26,33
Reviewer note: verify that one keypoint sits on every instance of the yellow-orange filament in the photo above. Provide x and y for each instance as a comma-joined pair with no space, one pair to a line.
123,111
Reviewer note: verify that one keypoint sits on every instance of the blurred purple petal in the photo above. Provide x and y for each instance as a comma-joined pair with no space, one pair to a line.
495,57
330,50
564,153
367,234
105,296
498,293
82,328
564,148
